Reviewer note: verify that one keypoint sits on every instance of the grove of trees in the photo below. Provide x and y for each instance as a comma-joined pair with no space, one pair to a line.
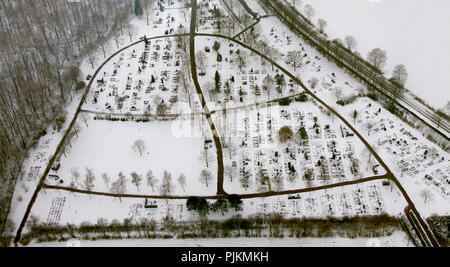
42,44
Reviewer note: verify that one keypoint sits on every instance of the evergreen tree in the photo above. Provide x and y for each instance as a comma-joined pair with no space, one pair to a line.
199,205
216,46
138,8
235,202
217,80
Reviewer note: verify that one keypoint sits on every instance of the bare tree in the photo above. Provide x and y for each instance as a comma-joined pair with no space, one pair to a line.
41,42
130,30
427,195
205,155
350,42
263,181
230,172
229,26
139,146
182,181
85,118
278,180
240,59
117,36
183,40
91,49
297,3
106,179
285,134
369,126
162,109
201,60
151,180
210,87
89,179
314,81
119,186
167,186
103,44
187,91
136,179
245,180
309,11
322,25
338,93
147,6
268,85
295,58
400,75
76,129
377,58
205,177
231,148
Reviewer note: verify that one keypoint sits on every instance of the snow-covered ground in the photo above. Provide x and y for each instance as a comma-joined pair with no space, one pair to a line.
34,166
106,147
413,32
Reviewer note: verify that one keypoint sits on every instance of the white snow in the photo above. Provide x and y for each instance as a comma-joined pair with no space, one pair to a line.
413,32
106,147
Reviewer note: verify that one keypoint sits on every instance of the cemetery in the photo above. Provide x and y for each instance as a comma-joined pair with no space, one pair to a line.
143,143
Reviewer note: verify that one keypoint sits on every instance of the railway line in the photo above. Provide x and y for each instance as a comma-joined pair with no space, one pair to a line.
357,66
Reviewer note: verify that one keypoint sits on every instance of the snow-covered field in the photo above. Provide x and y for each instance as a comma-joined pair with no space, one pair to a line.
413,32
106,147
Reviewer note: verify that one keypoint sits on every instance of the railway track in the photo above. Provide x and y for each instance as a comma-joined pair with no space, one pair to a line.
296,22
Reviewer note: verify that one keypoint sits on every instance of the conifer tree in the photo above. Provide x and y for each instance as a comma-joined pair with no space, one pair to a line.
138,8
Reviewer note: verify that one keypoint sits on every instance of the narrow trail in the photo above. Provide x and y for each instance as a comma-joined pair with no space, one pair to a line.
246,29
242,196
220,168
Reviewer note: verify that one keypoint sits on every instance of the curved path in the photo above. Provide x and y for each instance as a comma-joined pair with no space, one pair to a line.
220,168
69,129
220,192
389,174
242,196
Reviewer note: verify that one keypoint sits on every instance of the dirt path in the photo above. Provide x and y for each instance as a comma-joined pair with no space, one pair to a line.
220,169
246,29
389,174
67,133
242,196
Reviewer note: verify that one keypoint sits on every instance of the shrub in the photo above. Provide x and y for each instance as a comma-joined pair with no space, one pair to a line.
302,98
219,57
80,85
285,134
373,96
285,102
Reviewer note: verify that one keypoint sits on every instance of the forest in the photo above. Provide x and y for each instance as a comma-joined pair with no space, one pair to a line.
42,44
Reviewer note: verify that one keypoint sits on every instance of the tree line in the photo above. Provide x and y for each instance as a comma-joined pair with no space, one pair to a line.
259,225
